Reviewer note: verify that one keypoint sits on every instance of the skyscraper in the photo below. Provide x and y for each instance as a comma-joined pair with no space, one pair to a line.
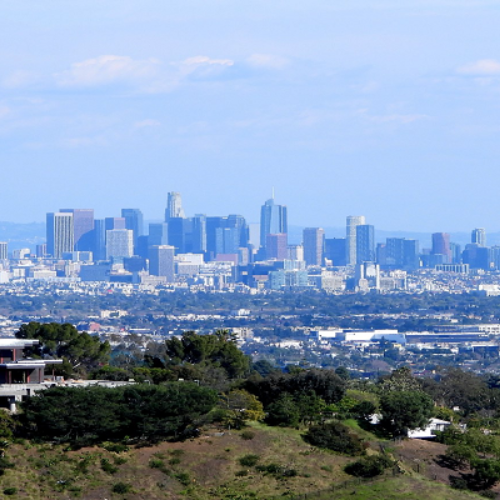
158,234
335,251
174,207
276,246
161,261
313,241
441,246
365,243
479,236
99,240
60,233
83,225
4,254
119,243
351,223
133,221
273,220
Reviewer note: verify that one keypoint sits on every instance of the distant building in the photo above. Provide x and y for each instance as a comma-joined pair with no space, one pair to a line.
276,246
119,243
335,251
83,226
313,241
134,221
478,236
441,246
365,243
60,233
158,234
273,220
351,222
174,207
4,250
295,252
161,261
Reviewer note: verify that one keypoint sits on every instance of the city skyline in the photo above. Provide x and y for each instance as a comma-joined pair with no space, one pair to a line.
385,109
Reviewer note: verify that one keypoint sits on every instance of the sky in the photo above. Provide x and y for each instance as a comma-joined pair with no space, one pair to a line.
387,108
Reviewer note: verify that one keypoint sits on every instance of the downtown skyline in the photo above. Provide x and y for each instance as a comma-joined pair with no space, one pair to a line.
370,108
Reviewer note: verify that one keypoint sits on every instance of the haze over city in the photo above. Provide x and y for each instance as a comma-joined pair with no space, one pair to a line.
377,108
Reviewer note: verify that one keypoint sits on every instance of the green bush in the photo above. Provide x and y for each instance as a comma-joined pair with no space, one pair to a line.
249,460
334,436
10,491
369,467
183,478
106,466
121,488
247,435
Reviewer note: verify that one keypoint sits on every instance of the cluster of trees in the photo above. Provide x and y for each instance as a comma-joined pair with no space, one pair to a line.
80,351
94,414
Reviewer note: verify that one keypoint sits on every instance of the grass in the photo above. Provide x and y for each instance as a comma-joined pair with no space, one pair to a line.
397,488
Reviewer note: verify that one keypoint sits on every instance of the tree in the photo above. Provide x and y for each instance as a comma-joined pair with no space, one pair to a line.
283,411
405,410
80,350
334,436
401,379
219,350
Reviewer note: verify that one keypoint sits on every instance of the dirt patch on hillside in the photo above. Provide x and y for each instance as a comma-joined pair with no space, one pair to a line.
427,458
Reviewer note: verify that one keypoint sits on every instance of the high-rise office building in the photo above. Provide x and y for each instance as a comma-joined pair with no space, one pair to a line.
351,222
83,225
99,240
441,246
114,223
180,234
161,261
273,220
60,233
214,234
313,241
365,243
158,234
199,233
295,252
479,236
119,243
133,221
335,251
4,250
277,246
174,208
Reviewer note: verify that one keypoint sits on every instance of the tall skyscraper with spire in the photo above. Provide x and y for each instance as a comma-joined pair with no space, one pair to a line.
273,220
174,207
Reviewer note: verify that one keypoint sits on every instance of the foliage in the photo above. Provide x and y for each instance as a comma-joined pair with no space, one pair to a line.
219,350
334,436
401,379
7,425
65,341
121,488
249,460
245,404
94,414
405,410
324,383
283,411
371,466
487,472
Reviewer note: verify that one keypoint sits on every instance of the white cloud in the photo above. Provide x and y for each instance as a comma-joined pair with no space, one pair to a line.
20,79
107,69
393,118
202,60
147,123
267,61
481,68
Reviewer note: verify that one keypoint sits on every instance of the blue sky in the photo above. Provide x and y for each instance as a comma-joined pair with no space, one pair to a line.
388,109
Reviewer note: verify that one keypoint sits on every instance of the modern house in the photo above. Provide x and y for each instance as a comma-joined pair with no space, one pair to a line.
21,377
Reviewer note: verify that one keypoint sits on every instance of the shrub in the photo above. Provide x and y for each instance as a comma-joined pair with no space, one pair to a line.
241,473
10,491
249,460
183,478
174,461
334,436
247,435
115,447
106,466
156,463
369,467
121,488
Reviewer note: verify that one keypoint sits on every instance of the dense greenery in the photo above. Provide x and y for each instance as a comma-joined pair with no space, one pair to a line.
79,350
95,414
335,436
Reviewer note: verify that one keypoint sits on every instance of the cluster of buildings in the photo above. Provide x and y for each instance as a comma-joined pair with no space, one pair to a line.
215,252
